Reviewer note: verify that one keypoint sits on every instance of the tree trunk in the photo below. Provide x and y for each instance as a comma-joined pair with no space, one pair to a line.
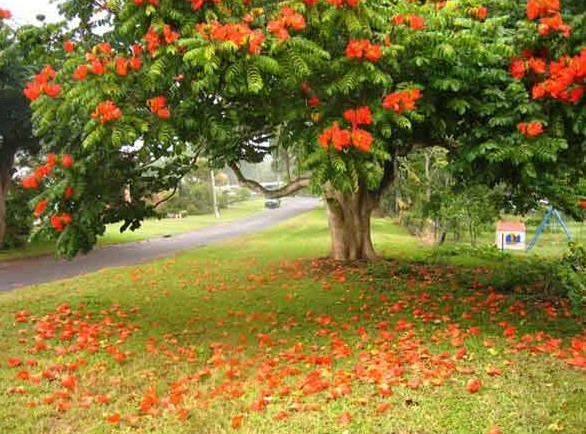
349,222
287,160
6,163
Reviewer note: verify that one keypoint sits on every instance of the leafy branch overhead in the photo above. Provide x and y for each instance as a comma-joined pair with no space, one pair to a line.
350,84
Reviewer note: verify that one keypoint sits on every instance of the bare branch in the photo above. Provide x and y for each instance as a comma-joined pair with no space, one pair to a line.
165,199
287,190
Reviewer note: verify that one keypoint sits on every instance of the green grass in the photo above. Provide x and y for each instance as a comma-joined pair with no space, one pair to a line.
151,228
208,334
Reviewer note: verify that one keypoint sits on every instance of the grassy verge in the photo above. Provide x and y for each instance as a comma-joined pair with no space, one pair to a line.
151,228
258,336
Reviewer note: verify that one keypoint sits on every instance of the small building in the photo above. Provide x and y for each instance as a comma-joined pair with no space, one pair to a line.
510,235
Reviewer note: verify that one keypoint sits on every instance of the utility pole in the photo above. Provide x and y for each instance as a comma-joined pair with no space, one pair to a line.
214,197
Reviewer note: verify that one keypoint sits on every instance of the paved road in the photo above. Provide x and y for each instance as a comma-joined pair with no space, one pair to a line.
19,273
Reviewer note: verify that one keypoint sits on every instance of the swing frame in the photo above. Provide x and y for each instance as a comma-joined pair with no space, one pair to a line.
551,211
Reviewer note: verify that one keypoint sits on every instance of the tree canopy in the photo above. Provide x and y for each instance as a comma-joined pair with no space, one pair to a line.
349,85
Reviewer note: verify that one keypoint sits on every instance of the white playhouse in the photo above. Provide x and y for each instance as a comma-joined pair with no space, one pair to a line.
510,235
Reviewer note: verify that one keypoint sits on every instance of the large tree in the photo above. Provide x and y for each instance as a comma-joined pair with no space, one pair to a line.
347,86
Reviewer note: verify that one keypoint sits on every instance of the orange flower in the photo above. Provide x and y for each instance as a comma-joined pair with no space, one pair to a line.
80,73
340,137
30,183
537,65
355,49
105,48
482,13
158,107
402,100
363,48
107,111
115,417
169,35
237,420
360,116
362,139
157,103
373,53
40,207
416,22
135,63
43,171
52,90
473,385
32,91
313,101
69,46
164,113
121,66
152,40
530,129
67,160
98,67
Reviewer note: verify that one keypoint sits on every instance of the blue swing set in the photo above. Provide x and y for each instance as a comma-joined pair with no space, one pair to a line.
551,211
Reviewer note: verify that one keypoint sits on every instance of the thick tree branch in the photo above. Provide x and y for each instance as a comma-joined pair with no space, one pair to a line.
389,165
287,190
166,198
387,178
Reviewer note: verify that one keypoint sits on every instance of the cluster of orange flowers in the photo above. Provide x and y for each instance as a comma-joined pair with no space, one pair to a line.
32,182
480,12
550,19
158,106
565,76
363,48
58,221
288,19
101,57
530,129
313,100
415,22
566,79
519,67
107,111
341,138
402,100
154,40
42,84
69,46
239,34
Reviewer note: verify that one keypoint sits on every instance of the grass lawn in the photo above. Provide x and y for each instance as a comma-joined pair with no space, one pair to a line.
151,228
258,335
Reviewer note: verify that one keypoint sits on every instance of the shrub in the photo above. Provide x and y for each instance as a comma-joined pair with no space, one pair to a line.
568,275
19,218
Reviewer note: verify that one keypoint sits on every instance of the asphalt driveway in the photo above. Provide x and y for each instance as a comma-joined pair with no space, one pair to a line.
25,272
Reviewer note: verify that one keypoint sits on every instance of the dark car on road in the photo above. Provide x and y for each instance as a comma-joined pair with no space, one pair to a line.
272,203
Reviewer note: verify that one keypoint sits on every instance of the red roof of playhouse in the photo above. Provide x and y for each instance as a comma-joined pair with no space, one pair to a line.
510,226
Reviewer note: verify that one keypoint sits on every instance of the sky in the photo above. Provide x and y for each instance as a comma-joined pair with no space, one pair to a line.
25,11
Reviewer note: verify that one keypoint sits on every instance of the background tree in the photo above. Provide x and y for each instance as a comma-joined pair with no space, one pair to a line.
15,123
350,85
